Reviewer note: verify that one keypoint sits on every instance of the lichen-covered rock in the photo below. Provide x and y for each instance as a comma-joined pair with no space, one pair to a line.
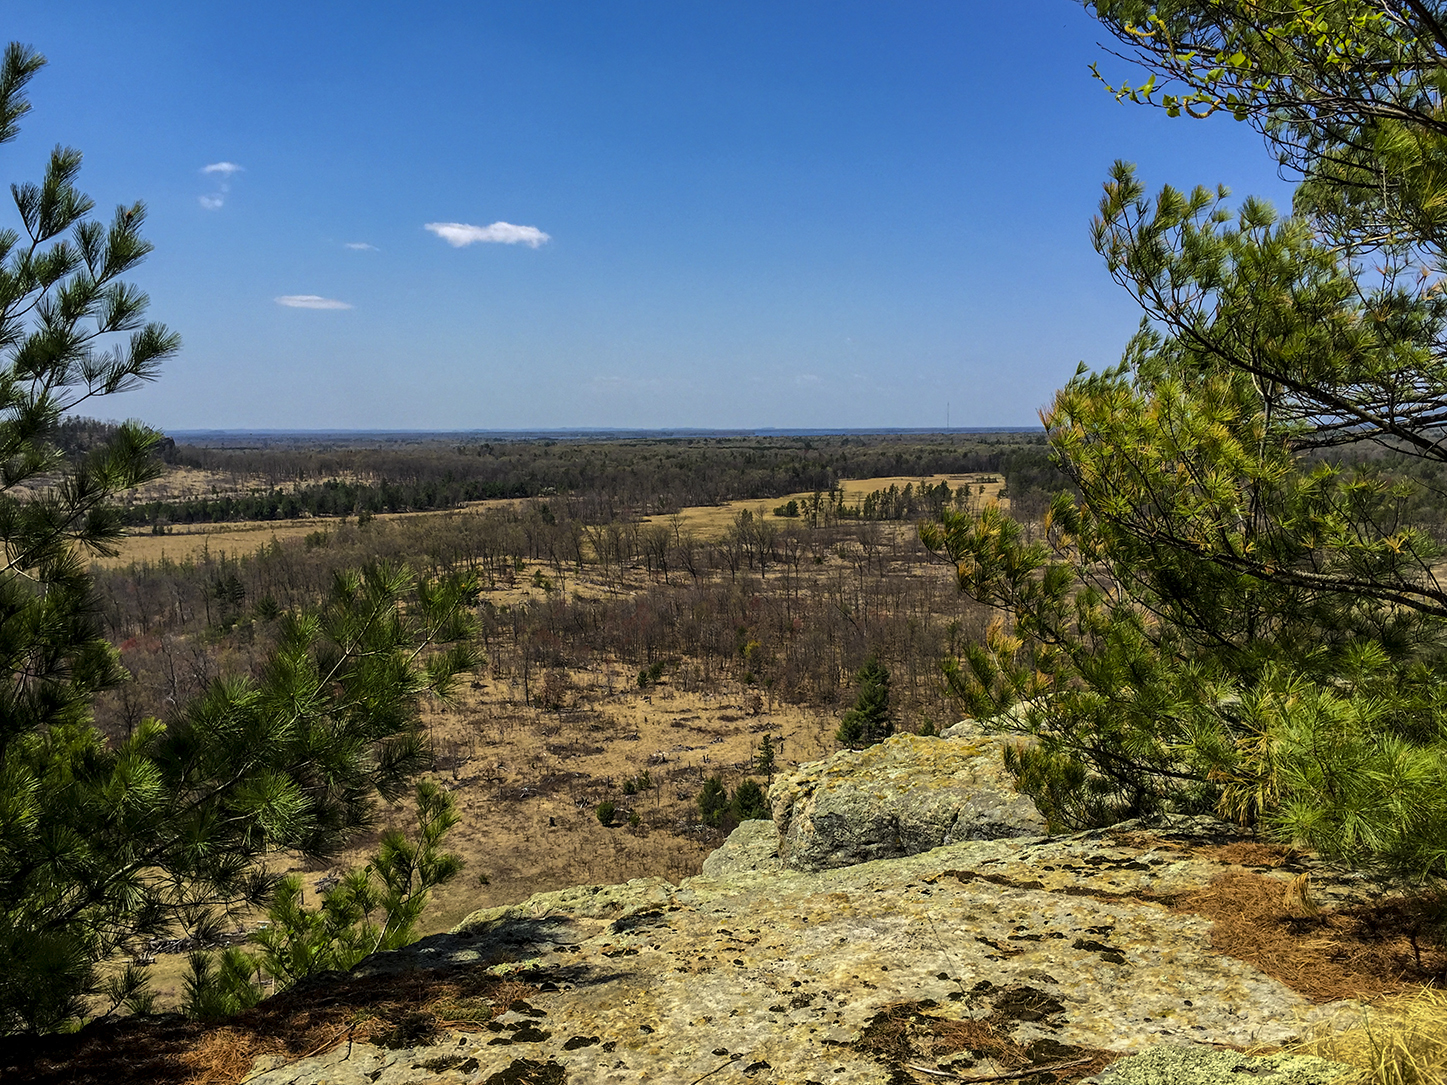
747,977
1175,1064
902,796
751,848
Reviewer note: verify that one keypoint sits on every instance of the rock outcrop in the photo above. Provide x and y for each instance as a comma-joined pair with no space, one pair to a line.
966,959
903,796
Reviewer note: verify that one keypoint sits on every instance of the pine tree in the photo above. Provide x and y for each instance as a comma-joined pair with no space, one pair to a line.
105,846
713,802
869,721
1238,608
765,759
748,802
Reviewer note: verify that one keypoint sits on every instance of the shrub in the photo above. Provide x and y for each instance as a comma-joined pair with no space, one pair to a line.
299,941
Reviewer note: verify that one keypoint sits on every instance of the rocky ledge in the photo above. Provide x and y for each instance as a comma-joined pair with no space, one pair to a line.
900,797
1000,954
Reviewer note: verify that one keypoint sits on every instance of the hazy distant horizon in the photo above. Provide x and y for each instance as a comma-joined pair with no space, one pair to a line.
211,436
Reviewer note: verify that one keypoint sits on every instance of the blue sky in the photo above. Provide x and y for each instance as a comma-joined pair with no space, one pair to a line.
716,213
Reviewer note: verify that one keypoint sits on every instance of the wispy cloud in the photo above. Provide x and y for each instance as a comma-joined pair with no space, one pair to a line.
222,170
310,301
361,246
462,234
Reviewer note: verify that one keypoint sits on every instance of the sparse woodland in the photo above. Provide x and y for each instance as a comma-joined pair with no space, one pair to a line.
787,607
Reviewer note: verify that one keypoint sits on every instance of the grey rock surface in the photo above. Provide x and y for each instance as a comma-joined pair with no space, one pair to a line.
751,848
751,975
1174,1064
900,797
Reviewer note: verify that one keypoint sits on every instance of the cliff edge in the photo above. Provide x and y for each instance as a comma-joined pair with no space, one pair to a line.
904,919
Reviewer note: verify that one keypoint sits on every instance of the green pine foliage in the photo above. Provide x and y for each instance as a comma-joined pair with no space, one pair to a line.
713,802
103,847
394,886
1238,610
367,911
749,802
870,720
218,985
720,810
765,759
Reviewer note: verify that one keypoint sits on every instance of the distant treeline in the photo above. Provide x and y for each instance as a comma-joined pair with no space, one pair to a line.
611,479
330,498
891,503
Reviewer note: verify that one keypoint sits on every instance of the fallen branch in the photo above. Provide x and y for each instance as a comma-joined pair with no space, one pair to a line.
727,1062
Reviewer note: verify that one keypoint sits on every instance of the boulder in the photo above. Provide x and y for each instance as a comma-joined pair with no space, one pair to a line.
960,960
751,848
903,796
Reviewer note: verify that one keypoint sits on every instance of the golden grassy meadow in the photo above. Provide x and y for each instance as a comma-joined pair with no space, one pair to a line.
240,538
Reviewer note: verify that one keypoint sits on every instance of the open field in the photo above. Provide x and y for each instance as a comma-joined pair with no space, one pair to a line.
711,521
241,538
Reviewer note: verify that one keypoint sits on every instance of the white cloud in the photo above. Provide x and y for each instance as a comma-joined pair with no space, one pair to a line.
222,170
460,234
361,246
310,301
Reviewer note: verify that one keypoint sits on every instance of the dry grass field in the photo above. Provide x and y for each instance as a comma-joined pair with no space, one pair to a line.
711,521
239,538
528,779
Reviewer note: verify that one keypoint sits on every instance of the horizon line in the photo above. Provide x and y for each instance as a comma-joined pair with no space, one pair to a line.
801,431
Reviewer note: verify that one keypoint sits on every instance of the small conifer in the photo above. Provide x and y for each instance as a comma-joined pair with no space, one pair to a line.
870,720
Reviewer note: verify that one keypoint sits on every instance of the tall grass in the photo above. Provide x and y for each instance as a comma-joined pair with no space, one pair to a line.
1399,1040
